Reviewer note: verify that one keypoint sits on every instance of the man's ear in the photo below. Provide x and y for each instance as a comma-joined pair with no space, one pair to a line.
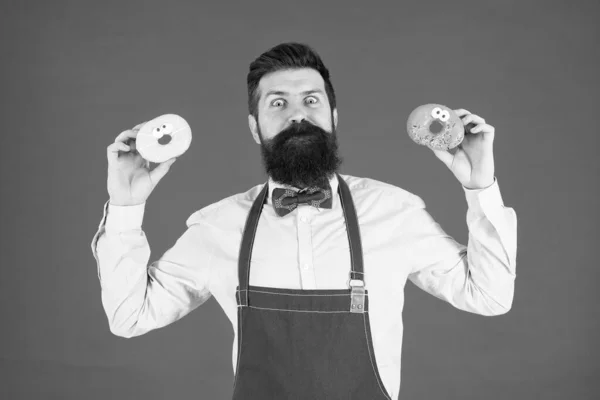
253,128
335,117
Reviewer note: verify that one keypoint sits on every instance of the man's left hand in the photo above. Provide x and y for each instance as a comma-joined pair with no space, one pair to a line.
472,162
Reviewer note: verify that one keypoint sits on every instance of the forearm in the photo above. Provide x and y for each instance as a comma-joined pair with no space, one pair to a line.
492,251
479,277
122,265
138,297
486,286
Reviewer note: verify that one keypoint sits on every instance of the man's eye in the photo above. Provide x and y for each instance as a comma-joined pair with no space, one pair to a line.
274,103
314,100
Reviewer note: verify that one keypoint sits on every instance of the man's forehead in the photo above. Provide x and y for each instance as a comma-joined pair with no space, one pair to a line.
292,80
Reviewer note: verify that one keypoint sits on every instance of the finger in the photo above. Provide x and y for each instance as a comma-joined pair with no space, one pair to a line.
126,136
161,170
139,126
461,112
483,128
473,118
112,151
446,156
129,138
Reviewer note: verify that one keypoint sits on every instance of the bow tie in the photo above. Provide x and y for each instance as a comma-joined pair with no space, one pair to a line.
286,200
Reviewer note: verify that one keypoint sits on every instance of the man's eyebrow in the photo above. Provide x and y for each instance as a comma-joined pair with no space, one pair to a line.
282,93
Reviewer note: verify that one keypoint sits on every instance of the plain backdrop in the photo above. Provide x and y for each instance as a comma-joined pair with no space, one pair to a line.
77,73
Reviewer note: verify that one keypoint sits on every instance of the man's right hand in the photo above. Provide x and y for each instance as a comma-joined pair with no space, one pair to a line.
130,180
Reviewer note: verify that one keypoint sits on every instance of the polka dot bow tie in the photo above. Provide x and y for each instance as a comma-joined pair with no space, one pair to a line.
286,200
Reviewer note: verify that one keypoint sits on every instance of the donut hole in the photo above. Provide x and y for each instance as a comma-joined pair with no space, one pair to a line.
436,127
164,139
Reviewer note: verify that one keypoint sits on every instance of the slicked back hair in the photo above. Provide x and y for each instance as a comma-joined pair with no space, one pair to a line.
284,56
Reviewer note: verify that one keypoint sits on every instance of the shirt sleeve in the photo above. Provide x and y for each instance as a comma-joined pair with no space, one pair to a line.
479,277
138,297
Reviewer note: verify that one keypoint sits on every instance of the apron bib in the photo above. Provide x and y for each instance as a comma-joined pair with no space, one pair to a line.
305,344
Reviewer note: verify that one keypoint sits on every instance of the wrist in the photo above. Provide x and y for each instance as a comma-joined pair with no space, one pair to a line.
481,186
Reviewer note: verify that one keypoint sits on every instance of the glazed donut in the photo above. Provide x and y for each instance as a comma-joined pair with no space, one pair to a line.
435,126
163,138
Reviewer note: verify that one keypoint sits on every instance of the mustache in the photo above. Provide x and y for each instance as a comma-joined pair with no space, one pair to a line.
299,129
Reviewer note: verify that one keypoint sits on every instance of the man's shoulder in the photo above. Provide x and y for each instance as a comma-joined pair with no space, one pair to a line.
232,208
364,186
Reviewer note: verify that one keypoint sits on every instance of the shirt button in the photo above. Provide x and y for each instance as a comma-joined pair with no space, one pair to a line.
306,266
303,219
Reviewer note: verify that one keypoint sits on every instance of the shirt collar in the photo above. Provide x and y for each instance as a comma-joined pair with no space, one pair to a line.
333,182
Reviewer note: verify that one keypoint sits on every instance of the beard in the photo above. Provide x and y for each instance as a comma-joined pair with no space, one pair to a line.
302,155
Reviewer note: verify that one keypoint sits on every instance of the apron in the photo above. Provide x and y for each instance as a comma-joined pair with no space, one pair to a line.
305,344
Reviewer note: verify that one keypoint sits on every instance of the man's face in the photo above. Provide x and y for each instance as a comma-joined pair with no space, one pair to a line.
296,128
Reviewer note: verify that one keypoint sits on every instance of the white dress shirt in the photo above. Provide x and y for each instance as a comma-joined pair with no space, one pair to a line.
308,249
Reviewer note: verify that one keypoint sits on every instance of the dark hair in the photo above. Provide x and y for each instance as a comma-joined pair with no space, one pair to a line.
285,56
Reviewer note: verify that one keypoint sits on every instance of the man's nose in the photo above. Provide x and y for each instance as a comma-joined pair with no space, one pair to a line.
297,115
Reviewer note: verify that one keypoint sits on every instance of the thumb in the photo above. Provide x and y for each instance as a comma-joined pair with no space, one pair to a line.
444,156
161,170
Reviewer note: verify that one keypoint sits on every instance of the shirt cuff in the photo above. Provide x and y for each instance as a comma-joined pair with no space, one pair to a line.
124,218
479,199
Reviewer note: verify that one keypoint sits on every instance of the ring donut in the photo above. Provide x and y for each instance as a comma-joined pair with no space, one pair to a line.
435,126
163,138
